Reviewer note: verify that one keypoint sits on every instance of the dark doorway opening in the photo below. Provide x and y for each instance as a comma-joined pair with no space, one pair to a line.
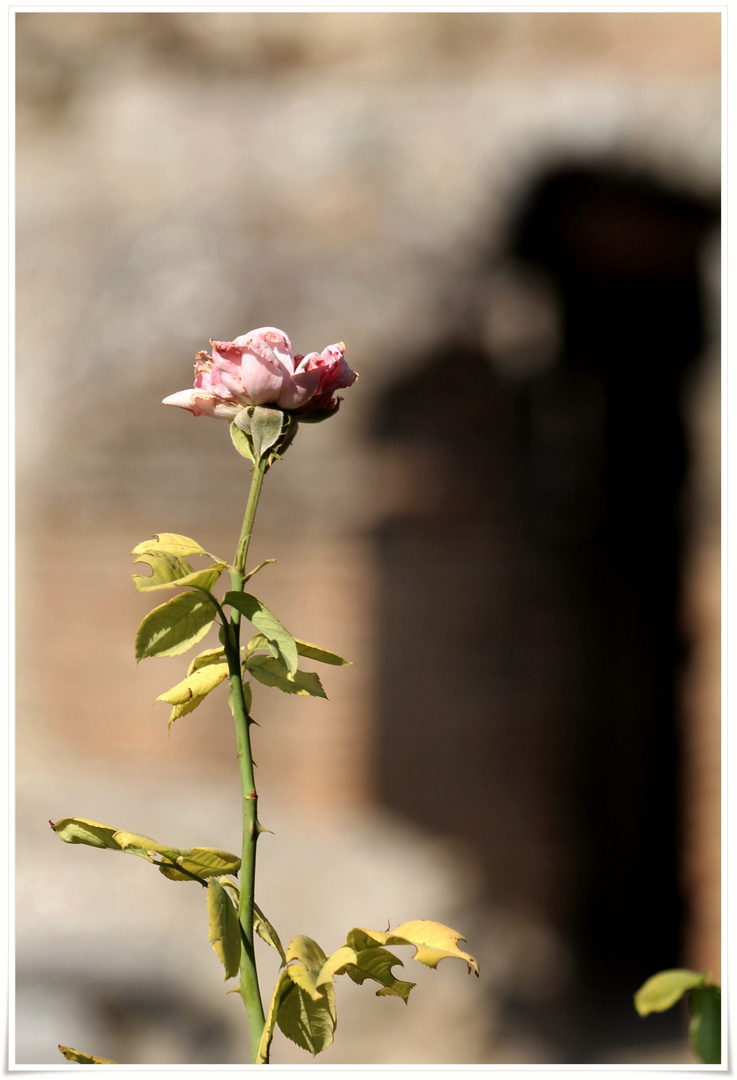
530,651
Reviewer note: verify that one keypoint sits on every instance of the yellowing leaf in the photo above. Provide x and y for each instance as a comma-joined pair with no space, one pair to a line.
136,844
304,1012
336,964
314,652
84,831
202,862
308,1023
200,579
280,641
225,931
305,959
261,565
271,672
82,1058
433,941
175,626
197,685
283,986
663,990
377,963
304,648
172,543
209,656
266,931
165,569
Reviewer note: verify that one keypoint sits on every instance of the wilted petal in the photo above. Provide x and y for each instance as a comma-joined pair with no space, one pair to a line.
336,374
298,390
203,404
269,343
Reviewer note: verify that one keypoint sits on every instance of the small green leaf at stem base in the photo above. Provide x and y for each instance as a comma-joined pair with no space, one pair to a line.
83,1059
705,1026
225,931
662,991
175,626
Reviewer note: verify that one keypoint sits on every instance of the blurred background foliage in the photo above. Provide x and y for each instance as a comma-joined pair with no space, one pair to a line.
512,526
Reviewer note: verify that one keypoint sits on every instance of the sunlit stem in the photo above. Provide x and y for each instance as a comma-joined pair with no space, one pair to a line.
248,988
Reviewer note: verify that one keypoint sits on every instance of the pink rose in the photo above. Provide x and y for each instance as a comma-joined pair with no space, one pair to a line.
260,368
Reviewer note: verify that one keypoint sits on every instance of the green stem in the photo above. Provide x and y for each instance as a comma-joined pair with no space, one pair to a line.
257,479
248,988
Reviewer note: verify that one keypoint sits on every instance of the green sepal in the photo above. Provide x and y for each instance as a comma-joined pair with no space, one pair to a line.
304,648
266,427
261,434
225,930
316,416
705,1026
241,442
83,1059
174,627
662,991
271,672
280,642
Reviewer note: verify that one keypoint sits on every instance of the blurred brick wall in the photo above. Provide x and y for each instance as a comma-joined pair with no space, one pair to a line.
185,175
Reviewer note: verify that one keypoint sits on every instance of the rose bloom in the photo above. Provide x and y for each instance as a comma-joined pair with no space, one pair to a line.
259,368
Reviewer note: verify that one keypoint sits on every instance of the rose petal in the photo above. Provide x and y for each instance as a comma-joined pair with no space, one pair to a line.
203,404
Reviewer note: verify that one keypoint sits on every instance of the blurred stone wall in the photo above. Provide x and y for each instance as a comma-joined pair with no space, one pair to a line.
183,176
